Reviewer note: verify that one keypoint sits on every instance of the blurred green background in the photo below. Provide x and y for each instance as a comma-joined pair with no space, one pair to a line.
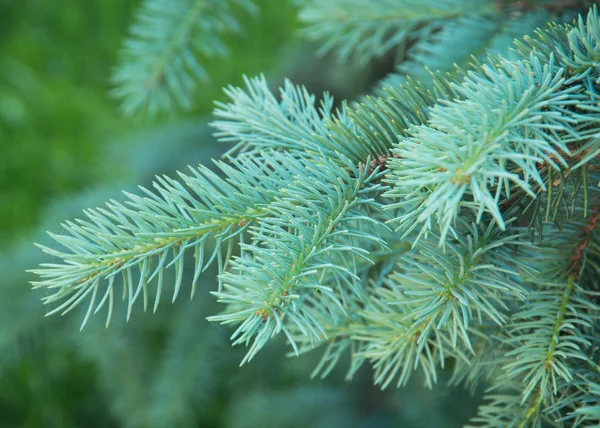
63,147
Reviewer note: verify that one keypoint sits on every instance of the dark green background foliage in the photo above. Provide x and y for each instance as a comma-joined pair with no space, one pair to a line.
64,146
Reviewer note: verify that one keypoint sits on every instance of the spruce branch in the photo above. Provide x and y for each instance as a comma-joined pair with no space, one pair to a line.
429,308
162,58
149,234
279,279
590,411
552,334
396,347
545,337
505,409
452,47
439,303
454,43
526,120
476,279
254,119
372,127
369,28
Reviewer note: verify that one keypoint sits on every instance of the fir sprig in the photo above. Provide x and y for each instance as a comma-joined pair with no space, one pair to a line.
526,120
368,28
162,58
280,275
141,238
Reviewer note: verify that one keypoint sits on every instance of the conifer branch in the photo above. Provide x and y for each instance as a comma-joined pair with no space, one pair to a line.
527,121
368,28
255,120
282,271
143,233
162,59
452,47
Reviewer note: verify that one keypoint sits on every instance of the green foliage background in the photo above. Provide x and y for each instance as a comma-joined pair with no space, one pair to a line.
64,146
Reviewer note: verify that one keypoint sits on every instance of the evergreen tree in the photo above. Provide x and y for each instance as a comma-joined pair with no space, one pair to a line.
450,223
